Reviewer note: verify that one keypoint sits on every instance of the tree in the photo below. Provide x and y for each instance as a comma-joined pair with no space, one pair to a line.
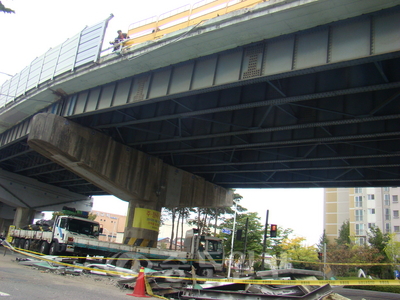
349,259
275,245
254,237
299,253
323,240
5,9
377,239
392,249
344,234
208,218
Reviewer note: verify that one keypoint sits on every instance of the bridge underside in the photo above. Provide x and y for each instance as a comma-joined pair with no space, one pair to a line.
318,108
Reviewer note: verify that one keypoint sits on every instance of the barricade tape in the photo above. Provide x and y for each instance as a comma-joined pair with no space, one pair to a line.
225,280
217,260
344,264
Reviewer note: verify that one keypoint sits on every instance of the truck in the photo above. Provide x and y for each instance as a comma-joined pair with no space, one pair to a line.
73,234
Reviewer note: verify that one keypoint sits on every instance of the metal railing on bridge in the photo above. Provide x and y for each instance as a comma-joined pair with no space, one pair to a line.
79,50
182,17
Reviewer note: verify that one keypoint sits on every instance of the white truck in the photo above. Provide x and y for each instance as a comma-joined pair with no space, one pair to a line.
74,235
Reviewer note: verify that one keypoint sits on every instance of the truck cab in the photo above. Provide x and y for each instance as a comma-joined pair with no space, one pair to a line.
67,228
207,252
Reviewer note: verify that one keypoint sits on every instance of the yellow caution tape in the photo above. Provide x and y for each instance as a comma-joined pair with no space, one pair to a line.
231,280
344,264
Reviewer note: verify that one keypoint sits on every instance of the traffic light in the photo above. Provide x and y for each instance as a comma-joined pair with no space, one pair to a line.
274,229
320,256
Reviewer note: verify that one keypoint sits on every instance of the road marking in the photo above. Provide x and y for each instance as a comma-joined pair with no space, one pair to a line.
4,294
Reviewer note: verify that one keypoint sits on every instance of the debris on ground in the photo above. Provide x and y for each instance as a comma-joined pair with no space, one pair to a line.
175,283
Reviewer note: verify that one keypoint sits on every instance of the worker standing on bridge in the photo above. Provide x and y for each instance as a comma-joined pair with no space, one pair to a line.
121,36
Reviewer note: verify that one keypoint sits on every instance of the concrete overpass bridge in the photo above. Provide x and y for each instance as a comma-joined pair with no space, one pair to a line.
279,94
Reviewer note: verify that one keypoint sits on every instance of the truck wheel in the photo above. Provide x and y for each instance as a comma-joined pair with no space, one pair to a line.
53,250
27,244
21,243
44,247
15,243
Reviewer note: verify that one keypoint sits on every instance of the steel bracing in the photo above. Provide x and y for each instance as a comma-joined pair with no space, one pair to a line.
315,108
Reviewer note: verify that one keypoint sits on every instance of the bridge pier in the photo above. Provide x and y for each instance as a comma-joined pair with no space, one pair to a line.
131,175
142,224
23,216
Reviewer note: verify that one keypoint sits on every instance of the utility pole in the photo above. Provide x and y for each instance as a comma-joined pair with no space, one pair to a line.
265,238
233,238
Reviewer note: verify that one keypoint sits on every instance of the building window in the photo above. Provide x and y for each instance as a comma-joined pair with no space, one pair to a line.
359,215
358,201
359,229
371,197
371,225
358,190
386,189
386,202
396,228
360,241
387,214
386,197
371,211
395,214
387,228
395,198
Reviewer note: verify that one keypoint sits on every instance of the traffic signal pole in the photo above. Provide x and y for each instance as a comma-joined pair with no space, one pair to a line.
265,238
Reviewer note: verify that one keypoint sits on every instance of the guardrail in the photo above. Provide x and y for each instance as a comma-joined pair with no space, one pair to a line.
79,50
182,17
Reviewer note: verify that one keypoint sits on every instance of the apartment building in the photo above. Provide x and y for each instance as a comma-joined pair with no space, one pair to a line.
364,208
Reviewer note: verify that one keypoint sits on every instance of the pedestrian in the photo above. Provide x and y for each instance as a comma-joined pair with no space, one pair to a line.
117,41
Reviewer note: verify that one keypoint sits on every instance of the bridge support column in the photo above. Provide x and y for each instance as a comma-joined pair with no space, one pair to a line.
23,216
142,224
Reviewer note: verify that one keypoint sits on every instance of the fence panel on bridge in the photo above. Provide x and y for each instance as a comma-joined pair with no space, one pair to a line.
79,50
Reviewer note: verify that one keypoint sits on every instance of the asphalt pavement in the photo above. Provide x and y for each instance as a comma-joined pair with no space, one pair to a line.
22,282
365,295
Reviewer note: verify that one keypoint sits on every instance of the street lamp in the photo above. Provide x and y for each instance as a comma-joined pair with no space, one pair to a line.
233,239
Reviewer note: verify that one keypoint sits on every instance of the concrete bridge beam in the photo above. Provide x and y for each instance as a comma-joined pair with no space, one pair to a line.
131,175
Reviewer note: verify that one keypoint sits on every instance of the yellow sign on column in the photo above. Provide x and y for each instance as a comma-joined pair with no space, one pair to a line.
147,219
9,238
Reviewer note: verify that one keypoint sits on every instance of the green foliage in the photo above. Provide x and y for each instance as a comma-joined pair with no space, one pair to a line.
322,240
392,249
350,259
254,234
300,254
344,234
5,9
275,245
377,239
